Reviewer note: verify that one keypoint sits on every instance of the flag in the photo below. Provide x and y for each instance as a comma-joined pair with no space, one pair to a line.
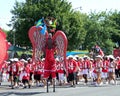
43,30
41,24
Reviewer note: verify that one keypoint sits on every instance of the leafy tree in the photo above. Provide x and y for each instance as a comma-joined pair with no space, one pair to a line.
77,33
26,14
115,22
98,31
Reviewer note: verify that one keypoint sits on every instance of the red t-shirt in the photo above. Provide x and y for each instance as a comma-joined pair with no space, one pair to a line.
105,66
86,64
72,66
26,73
60,67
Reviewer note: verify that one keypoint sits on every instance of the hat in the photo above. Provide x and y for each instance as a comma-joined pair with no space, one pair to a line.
28,59
76,56
111,57
56,59
85,56
43,59
70,56
22,60
117,57
91,59
15,59
99,56
11,59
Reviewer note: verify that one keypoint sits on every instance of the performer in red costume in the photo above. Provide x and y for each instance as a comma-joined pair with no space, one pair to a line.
50,67
42,45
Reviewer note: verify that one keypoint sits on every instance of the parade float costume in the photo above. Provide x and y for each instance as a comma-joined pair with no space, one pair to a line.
40,45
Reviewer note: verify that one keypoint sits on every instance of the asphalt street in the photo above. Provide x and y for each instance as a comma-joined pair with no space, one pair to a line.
79,90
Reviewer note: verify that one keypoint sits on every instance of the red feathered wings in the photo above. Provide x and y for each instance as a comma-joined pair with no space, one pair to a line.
38,42
61,42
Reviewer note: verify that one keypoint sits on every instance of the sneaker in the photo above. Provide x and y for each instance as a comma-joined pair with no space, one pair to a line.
106,83
85,83
101,83
24,87
115,82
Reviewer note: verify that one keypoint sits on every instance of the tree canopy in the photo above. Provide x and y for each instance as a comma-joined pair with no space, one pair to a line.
100,28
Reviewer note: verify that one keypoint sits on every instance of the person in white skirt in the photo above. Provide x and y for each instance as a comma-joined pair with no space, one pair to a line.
111,70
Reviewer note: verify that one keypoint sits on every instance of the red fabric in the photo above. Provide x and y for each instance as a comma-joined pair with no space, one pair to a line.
50,60
3,47
105,66
50,66
30,65
48,73
15,68
116,52
80,65
86,64
40,68
26,73
72,65
60,68
119,64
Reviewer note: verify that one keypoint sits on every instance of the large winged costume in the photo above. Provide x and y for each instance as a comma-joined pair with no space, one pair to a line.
39,42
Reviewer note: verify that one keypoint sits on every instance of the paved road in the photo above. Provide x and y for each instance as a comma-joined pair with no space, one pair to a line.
80,90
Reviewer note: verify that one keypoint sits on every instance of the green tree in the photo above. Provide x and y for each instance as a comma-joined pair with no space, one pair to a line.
115,22
26,14
98,31
77,33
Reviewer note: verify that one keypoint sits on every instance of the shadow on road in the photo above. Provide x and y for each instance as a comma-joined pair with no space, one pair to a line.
20,93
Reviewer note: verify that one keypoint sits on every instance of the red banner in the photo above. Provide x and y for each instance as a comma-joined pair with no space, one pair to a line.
3,47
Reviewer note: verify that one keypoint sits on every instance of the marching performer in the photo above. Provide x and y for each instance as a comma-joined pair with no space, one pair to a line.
105,69
50,66
60,71
86,66
111,70
72,69
98,69
25,75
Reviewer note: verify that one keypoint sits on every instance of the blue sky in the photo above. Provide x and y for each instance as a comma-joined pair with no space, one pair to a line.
87,6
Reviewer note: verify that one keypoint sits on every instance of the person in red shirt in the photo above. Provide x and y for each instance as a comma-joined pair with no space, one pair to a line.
30,65
105,69
72,69
117,67
60,71
111,69
39,72
98,69
25,75
86,66
49,66
80,65
15,72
